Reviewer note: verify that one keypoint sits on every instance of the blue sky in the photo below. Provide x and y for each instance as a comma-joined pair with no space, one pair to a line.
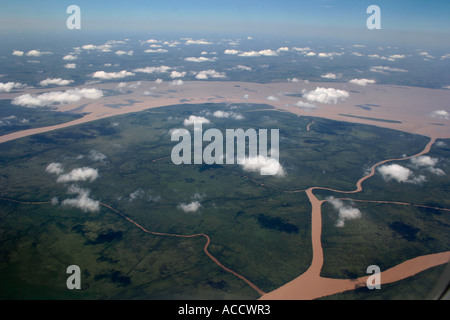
302,17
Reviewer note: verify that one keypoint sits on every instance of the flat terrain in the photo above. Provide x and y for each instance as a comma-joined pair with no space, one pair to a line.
260,227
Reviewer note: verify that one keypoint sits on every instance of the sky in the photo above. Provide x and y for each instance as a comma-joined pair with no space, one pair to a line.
420,19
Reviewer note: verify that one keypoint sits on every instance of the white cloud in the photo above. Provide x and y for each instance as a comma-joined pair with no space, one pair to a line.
57,97
112,75
55,81
381,69
205,74
79,174
329,76
428,163
264,165
122,53
192,120
397,56
151,41
245,68
400,174
310,54
272,98
176,74
178,82
362,82
305,105
266,52
36,53
18,53
95,155
156,50
326,95
440,114
231,51
70,66
9,86
70,57
228,114
302,49
102,48
328,55
190,41
200,59
283,49
82,201
160,69
345,212
56,168
138,194
190,207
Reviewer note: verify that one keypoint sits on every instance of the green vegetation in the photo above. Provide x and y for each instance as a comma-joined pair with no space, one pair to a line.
15,118
258,231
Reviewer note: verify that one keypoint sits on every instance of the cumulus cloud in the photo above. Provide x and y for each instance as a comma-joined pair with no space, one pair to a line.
328,54
178,82
70,57
345,212
95,155
55,81
329,76
305,49
192,120
156,50
190,207
381,69
205,74
176,74
79,174
112,75
9,86
70,66
305,105
266,52
362,82
201,41
272,98
231,51
160,69
228,114
123,53
18,53
326,95
245,68
200,59
57,97
264,165
36,53
82,201
440,114
54,167
427,163
399,173
102,48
